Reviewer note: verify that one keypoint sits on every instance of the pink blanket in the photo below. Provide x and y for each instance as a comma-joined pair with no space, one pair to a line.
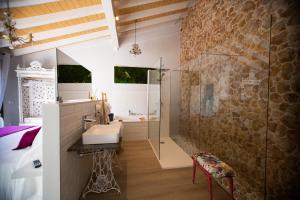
7,130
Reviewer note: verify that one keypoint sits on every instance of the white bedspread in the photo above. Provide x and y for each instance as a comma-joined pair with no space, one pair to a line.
10,161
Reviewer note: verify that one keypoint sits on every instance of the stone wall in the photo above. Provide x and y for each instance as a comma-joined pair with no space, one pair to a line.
283,156
240,94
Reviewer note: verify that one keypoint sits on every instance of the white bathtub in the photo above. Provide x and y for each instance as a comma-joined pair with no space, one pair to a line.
136,118
132,118
135,127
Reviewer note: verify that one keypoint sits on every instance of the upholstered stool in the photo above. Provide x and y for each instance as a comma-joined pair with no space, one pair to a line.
212,167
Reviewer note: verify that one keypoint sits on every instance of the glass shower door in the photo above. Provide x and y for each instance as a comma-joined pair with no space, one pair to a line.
154,92
174,103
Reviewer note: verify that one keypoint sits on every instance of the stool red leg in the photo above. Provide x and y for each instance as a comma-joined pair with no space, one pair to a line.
210,187
194,170
231,187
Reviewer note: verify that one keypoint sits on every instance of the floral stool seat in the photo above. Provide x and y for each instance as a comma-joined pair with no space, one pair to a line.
212,166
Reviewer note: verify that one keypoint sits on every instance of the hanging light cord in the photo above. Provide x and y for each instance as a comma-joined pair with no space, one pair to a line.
7,3
135,32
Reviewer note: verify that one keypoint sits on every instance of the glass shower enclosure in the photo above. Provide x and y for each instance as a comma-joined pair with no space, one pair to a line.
154,104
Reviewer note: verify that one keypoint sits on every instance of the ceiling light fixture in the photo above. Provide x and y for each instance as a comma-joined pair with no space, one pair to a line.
135,47
10,29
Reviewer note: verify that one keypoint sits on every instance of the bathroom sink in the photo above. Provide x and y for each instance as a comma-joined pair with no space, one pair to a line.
102,134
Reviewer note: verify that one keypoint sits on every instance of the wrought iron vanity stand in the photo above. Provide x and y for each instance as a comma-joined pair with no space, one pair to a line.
102,177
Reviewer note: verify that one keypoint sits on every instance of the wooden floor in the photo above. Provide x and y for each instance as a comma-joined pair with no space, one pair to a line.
142,178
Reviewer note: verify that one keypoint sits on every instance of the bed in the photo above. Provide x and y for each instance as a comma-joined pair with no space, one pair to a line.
18,179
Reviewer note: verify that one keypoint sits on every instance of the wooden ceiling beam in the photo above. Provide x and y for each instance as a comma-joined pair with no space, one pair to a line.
62,24
130,3
153,11
143,7
151,17
59,34
58,43
23,3
69,30
48,8
66,36
151,22
56,17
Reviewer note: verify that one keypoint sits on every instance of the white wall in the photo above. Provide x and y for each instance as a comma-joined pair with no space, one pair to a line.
99,57
11,101
51,152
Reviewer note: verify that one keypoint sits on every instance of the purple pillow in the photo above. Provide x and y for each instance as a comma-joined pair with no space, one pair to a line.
27,138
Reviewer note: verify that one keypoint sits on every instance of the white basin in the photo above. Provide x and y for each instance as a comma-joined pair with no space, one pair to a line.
102,134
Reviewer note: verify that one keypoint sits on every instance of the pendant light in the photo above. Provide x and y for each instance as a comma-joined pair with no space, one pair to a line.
10,29
135,47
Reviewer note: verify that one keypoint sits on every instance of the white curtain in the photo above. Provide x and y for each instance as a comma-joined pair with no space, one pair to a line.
4,69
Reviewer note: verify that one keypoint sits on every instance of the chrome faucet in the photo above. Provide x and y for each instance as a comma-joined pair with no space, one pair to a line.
86,120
